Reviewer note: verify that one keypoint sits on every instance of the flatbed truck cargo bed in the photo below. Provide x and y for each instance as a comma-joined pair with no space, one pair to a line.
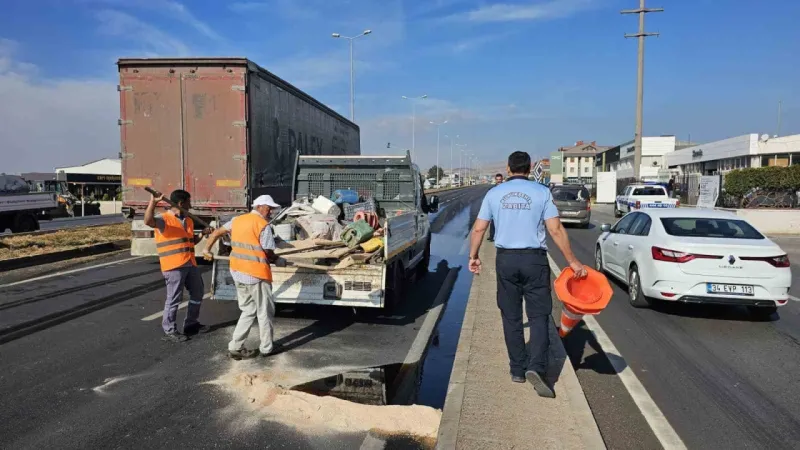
395,184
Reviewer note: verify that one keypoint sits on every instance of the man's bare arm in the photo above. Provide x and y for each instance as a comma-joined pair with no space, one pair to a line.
476,237
213,237
150,212
559,235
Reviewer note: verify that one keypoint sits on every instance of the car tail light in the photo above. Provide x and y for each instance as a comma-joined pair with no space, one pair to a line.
776,261
638,204
678,204
588,206
668,294
662,254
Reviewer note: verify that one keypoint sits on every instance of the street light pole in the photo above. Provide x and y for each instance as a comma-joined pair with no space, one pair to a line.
352,72
414,121
438,130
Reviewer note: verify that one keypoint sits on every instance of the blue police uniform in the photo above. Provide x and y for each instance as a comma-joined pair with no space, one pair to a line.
519,207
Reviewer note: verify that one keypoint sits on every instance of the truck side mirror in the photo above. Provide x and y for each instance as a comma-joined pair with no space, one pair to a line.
433,203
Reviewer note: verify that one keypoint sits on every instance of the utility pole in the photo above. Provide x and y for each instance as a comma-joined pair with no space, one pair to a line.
637,155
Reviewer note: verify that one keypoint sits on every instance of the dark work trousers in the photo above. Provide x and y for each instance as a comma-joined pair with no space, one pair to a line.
524,273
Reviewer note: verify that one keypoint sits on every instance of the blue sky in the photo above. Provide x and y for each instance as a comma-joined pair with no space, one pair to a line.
530,74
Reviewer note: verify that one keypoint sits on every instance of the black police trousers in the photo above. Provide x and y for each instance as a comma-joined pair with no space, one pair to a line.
525,273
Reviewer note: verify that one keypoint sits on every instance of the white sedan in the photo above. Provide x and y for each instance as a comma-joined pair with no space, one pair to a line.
695,256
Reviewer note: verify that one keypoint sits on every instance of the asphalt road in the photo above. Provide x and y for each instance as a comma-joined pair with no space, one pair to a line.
721,378
84,365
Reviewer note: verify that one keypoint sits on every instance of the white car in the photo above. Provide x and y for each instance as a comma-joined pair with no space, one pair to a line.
695,256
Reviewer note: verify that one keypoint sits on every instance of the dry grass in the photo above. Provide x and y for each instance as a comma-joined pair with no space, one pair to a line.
28,245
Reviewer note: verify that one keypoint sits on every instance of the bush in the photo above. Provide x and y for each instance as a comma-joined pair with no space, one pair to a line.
770,179
106,197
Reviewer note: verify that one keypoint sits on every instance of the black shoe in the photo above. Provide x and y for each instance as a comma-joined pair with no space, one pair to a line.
175,337
197,328
517,378
242,353
539,384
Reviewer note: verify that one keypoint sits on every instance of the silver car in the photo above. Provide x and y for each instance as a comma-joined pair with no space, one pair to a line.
574,206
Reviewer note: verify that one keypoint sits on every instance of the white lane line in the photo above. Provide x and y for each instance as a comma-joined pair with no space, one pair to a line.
664,432
67,272
160,314
792,297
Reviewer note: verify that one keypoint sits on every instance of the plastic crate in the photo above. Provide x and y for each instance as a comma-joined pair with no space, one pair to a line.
367,206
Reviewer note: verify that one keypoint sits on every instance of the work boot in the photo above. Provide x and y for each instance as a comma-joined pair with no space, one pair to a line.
539,384
197,328
174,336
242,353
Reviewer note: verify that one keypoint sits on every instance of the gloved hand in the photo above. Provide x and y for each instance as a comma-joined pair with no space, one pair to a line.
280,262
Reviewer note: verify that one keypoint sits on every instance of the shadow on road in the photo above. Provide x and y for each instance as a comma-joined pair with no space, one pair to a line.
585,353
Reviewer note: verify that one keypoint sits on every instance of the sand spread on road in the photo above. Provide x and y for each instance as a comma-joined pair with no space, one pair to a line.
259,390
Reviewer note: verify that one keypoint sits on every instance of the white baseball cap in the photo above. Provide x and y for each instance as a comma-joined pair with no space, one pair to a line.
265,200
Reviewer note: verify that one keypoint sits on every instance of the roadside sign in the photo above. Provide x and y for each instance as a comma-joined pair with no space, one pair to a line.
538,171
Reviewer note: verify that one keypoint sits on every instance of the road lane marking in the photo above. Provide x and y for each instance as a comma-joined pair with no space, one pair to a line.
160,314
792,297
68,272
661,427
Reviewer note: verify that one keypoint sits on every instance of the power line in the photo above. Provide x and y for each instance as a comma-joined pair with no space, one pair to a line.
637,155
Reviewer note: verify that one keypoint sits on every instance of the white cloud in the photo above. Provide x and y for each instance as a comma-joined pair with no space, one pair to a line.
153,40
506,12
51,123
174,9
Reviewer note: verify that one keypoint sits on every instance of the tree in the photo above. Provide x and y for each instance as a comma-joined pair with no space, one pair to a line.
432,173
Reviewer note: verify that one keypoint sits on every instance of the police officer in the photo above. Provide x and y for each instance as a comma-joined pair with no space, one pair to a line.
521,210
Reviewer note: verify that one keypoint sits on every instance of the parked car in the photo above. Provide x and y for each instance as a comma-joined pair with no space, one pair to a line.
573,203
695,256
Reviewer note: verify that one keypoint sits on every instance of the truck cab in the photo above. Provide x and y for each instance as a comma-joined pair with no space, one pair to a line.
396,187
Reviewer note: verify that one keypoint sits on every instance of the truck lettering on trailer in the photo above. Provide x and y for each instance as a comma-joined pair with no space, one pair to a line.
300,142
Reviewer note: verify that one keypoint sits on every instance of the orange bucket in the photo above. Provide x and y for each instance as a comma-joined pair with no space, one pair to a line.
581,296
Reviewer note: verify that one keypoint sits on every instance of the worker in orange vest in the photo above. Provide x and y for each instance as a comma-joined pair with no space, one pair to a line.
175,241
252,249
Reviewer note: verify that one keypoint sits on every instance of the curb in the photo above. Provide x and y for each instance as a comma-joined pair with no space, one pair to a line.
46,258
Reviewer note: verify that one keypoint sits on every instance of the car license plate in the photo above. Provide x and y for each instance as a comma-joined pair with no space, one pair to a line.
729,289
570,213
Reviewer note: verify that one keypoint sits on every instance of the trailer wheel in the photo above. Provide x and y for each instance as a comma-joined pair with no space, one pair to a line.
395,286
25,223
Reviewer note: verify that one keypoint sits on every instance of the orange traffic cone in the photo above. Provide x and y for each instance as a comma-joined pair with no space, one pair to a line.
569,318
581,296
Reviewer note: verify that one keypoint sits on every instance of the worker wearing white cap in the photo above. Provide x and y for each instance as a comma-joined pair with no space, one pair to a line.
252,249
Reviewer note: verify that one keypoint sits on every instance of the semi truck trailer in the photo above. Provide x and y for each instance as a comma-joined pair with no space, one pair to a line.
224,129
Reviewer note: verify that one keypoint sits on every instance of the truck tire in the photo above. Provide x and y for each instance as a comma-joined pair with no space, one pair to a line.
424,263
395,286
25,223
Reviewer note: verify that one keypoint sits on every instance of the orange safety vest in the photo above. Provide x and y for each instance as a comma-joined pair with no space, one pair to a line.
175,245
247,255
